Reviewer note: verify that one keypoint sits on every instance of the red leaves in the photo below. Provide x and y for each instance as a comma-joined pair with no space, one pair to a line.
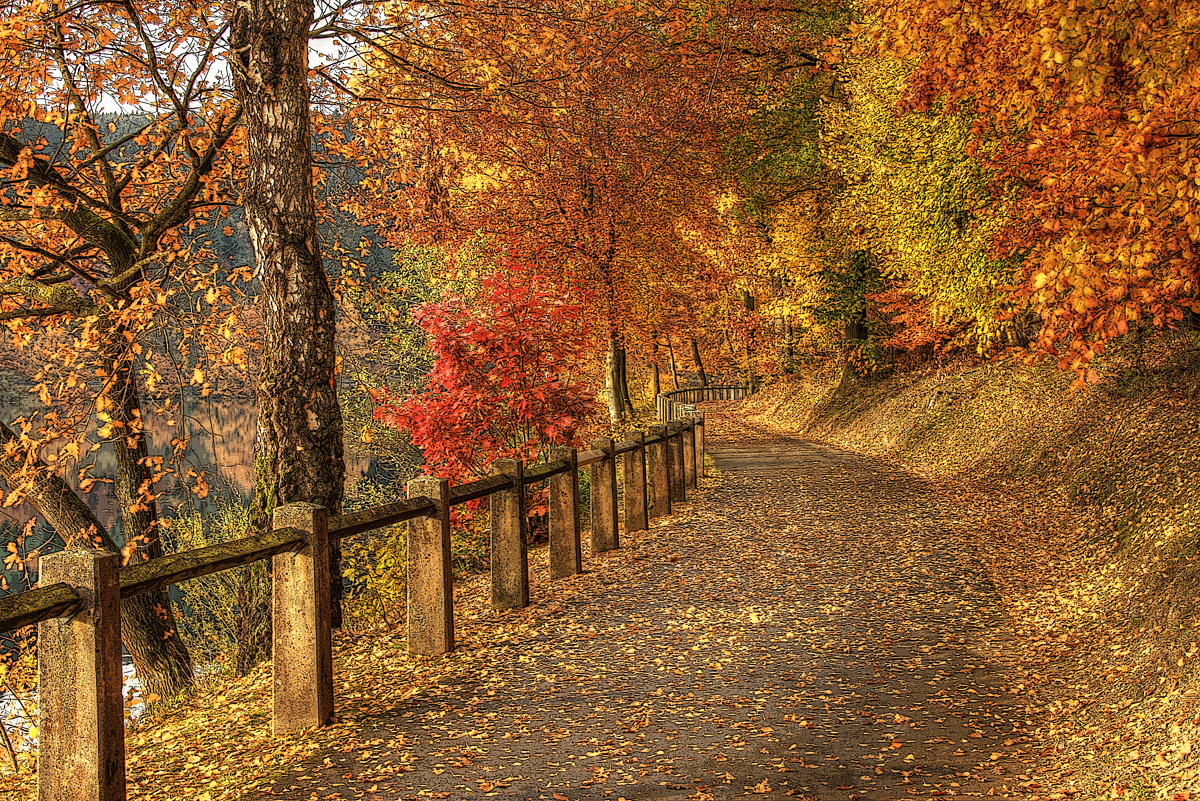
500,387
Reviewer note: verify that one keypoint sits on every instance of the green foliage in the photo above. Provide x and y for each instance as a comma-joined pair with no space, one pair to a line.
866,358
208,607
916,197
374,564
384,346
781,148
840,170
846,290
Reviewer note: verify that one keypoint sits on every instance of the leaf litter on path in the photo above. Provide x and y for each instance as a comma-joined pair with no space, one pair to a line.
811,625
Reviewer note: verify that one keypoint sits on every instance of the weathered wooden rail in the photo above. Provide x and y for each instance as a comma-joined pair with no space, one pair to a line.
673,405
81,753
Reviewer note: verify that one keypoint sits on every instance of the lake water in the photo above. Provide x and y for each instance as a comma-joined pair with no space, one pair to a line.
220,434
17,724
219,453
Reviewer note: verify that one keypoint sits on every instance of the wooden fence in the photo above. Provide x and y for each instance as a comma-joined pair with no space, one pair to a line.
81,750
673,405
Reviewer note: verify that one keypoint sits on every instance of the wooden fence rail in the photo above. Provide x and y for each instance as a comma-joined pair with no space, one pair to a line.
672,405
81,752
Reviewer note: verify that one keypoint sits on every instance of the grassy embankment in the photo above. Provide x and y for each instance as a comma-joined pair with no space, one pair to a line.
1086,504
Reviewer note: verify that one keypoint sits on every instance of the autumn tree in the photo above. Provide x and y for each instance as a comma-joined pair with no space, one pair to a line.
1084,113
98,263
585,139
504,383
298,450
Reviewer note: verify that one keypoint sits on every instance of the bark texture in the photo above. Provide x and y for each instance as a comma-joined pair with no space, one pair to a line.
655,376
298,451
623,374
147,622
612,382
674,369
696,360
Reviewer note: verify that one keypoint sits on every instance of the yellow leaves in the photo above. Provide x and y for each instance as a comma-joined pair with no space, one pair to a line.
13,559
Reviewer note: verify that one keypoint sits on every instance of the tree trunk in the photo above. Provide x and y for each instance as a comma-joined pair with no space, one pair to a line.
699,363
298,451
729,344
623,375
750,378
147,622
155,643
782,325
789,349
612,384
134,485
674,371
655,377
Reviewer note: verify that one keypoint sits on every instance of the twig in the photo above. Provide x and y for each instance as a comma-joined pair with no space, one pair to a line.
17,697
12,753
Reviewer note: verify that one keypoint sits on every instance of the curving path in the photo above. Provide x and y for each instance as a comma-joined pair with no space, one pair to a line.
811,626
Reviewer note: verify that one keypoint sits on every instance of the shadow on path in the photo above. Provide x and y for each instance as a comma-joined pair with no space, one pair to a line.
808,627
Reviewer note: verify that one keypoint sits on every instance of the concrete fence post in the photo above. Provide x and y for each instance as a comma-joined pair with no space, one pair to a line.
302,644
430,582
81,717
566,555
675,454
700,444
604,498
633,471
658,470
689,449
508,523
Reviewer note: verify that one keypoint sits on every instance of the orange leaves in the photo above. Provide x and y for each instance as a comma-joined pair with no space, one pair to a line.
1079,106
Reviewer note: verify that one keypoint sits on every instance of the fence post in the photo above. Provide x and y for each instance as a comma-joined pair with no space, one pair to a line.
430,582
508,522
566,556
633,471
675,454
698,418
81,718
689,449
659,473
604,498
301,643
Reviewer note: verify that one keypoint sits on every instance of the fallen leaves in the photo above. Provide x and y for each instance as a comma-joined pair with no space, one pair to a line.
747,678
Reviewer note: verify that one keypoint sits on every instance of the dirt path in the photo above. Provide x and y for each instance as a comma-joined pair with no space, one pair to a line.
810,627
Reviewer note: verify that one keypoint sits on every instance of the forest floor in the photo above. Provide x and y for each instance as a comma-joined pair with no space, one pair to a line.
906,609
1084,513
813,623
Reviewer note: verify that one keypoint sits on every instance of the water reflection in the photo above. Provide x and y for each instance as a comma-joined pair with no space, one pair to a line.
216,468
220,451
